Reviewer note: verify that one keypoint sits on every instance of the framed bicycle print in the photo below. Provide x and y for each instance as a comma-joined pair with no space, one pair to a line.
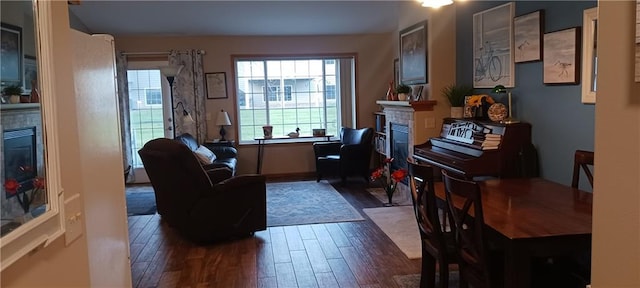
493,47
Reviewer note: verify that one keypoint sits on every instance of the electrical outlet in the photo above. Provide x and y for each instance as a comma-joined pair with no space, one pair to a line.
73,219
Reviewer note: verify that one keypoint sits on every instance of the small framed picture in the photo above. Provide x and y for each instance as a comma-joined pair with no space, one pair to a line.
216,85
30,73
527,36
561,57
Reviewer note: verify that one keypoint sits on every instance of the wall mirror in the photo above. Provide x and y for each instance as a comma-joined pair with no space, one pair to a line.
589,54
30,196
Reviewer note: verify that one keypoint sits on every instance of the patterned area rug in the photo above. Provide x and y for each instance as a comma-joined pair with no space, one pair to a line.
399,224
307,202
413,280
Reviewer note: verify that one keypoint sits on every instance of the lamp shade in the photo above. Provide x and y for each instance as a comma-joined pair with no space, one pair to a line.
171,70
223,119
435,3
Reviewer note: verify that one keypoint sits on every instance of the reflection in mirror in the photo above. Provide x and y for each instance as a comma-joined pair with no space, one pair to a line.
589,55
22,159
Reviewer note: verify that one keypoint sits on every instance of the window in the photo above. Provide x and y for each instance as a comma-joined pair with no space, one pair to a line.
289,93
153,96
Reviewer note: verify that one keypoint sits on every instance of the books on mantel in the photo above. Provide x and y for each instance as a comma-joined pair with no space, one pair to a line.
491,141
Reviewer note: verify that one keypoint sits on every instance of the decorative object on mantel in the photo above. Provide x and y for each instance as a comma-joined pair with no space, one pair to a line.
13,92
35,95
499,89
403,91
391,95
455,94
418,94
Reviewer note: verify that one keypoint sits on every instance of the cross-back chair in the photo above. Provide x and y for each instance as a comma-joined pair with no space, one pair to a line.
438,245
582,159
468,224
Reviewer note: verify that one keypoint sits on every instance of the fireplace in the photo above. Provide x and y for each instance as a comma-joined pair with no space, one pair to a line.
20,158
399,146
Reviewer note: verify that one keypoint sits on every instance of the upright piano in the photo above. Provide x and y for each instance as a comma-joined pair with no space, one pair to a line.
474,148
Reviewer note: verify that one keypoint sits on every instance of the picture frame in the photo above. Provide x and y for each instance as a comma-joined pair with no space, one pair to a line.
396,72
413,54
216,85
30,73
527,36
561,61
493,61
11,57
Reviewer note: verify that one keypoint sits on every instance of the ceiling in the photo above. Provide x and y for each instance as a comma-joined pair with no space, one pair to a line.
238,18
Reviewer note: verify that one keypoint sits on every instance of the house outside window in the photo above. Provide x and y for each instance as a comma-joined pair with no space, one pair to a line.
287,94
153,96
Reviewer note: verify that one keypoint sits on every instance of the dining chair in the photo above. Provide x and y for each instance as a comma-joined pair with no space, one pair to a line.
468,226
438,244
582,159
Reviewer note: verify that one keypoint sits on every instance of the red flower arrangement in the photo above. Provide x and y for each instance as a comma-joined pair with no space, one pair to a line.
387,179
11,186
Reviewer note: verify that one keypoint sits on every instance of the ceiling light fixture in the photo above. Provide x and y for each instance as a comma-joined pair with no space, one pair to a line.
435,3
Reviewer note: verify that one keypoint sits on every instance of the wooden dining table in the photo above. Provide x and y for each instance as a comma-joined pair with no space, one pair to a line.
532,217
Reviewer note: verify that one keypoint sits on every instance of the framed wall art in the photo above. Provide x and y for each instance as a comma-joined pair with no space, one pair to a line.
216,85
493,47
30,73
527,36
11,57
561,56
413,54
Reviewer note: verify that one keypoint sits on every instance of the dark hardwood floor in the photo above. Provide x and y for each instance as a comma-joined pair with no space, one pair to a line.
346,254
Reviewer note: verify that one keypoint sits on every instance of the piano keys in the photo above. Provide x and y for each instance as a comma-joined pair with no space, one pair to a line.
481,148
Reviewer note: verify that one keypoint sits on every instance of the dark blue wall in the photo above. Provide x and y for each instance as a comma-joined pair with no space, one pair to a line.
561,123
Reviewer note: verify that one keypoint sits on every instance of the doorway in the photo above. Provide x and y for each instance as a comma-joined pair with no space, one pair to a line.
149,109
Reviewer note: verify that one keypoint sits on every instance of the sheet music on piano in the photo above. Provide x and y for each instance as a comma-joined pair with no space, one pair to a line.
481,148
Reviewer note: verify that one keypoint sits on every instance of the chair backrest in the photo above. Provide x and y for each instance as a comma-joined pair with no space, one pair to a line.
425,207
468,222
582,159
177,177
356,136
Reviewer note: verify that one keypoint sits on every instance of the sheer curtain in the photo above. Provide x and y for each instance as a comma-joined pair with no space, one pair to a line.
189,89
123,106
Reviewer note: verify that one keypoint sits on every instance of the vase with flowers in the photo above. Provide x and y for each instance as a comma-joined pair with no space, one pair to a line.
387,179
25,198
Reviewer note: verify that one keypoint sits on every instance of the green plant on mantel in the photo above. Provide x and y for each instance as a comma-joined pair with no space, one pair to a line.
12,90
456,93
403,88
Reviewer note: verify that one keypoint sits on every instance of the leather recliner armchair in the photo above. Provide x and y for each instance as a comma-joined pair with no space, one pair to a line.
200,209
348,157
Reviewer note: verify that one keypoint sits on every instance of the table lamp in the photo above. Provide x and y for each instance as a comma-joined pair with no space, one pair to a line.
223,120
500,89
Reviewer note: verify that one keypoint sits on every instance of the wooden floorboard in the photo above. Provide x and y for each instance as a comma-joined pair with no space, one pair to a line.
345,254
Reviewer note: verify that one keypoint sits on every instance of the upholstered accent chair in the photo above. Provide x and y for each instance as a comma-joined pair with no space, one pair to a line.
351,156
202,205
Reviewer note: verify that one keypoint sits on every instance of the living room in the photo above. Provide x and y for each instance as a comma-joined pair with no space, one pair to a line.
547,108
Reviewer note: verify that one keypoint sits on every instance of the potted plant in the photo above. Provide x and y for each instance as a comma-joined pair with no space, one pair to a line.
14,92
456,94
403,91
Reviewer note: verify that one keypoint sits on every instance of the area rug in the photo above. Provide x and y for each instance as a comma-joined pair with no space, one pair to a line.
141,203
307,202
398,198
413,280
399,224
